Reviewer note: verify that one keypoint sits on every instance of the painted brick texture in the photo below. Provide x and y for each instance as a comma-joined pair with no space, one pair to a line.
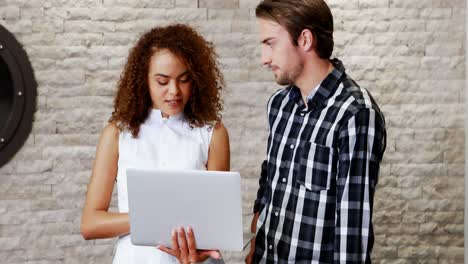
410,54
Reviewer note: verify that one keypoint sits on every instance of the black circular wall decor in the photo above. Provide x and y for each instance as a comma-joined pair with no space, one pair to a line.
17,96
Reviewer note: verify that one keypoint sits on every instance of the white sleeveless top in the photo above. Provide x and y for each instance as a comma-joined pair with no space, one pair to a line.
162,143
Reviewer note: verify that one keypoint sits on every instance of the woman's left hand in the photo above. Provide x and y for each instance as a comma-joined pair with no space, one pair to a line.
184,247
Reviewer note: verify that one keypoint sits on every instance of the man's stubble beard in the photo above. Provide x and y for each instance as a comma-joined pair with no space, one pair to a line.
289,77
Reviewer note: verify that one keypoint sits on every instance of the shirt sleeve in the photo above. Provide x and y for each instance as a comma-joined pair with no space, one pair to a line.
362,142
260,201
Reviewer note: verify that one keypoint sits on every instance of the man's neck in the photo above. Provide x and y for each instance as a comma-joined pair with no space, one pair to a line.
313,74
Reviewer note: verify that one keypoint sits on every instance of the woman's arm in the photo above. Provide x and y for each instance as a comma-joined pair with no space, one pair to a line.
96,221
219,153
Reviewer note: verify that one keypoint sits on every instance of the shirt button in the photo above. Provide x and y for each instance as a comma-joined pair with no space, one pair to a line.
302,114
270,247
283,180
276,213
291,146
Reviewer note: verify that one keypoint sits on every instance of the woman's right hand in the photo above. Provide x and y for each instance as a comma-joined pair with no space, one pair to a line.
184,248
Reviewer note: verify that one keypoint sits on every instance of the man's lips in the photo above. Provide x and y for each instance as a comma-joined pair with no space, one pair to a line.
274,68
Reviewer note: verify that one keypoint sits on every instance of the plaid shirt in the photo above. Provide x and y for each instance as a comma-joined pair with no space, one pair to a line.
317,184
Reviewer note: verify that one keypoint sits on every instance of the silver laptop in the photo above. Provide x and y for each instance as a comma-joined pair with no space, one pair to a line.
209,201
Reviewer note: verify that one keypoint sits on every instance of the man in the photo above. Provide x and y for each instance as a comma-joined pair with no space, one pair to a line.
326,140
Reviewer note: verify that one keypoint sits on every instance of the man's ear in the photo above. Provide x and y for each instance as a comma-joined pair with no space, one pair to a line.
306,40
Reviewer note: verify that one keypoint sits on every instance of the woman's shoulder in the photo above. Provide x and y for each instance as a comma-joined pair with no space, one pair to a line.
111,130
219,128
215,127
219,131
109,137
207,131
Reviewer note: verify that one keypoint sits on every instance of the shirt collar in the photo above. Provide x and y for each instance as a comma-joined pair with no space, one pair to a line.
155,116
321,93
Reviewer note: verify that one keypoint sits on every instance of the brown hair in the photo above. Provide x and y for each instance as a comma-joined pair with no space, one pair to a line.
297,15
133,102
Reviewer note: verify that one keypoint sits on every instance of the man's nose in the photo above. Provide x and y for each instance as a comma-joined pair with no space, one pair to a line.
266,56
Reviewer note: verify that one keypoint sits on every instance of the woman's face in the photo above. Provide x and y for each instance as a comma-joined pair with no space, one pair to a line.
169,82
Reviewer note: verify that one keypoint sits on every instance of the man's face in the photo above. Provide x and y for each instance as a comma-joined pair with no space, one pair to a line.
279,53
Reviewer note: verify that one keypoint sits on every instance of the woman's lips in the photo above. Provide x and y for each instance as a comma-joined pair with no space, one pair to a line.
173,103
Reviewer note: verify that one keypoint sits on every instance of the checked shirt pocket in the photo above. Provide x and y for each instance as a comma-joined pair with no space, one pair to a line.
317,166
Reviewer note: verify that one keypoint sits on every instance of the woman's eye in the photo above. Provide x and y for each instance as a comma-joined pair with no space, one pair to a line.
162,83
185,80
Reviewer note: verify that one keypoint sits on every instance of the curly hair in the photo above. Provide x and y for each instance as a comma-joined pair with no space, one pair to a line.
132,102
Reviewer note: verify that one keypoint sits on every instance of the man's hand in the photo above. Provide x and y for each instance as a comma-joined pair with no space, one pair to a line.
249,257
253,230
184,247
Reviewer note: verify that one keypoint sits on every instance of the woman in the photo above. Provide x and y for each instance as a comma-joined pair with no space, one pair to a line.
166,115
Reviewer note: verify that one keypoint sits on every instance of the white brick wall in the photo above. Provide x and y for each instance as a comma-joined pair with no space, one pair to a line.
409,53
